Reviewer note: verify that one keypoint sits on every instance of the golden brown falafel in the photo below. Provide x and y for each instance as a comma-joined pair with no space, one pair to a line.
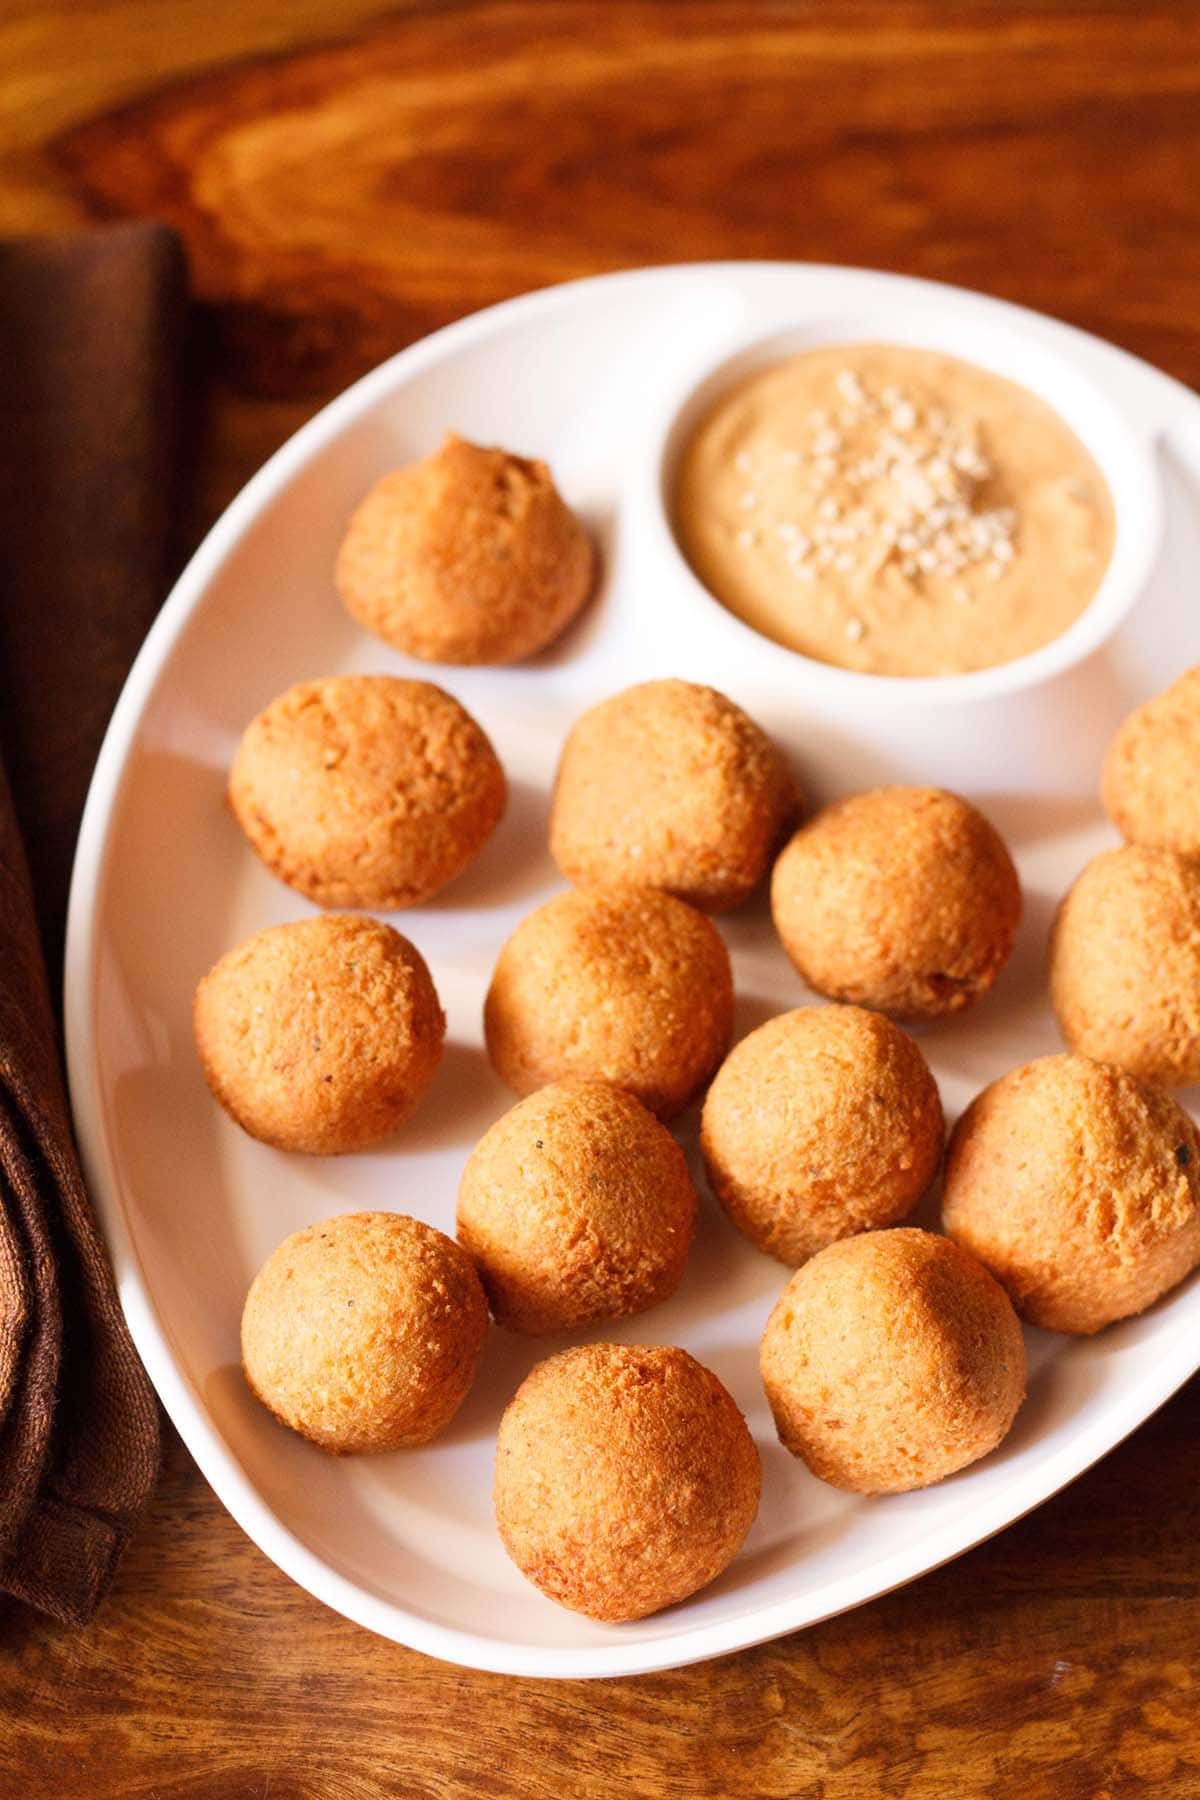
1078,1186
364,1333
1151,781
892,1360
903,898
576,1206
364,790
670,785
468,556
321,1035
626,1478
623,985
823,1122
1125,963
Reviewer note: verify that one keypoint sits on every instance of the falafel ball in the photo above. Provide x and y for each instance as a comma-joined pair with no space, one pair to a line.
576,1206
892,1360
365,790
670,785
626,1478
364,1333
823,1122
629,986
1125,963
1151,786
469,556
902,898
1078,1186
321,1035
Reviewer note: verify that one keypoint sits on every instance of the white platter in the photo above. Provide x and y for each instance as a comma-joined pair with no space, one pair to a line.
588,376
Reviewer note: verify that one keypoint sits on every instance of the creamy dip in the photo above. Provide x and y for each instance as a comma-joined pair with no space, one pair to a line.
893,510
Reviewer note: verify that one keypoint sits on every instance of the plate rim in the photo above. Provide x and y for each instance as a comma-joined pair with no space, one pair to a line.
216,1460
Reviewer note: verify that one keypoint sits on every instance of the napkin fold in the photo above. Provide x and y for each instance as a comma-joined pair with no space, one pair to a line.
91,361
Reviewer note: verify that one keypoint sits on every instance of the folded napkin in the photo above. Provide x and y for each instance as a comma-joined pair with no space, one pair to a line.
91,336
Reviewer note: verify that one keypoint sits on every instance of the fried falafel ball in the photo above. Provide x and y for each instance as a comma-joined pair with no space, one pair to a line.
892,1360
626,1478
904,899
1078,1186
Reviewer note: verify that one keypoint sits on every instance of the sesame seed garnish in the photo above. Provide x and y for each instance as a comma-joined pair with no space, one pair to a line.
969,462
884,480
854,629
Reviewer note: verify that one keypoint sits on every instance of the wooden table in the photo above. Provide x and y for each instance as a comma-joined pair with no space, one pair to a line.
346,179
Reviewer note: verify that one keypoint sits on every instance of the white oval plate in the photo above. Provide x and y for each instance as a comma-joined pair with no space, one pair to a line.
588,376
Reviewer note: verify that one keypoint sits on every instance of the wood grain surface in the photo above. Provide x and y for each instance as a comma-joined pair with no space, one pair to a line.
345,180
340,201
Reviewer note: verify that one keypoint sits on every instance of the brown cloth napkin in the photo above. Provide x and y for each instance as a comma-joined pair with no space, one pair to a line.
91,339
